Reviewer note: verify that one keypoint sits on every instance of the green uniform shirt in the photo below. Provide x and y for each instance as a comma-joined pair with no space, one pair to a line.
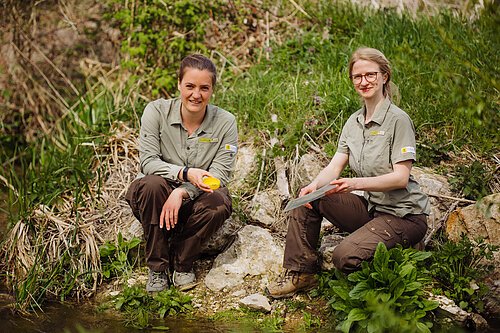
374,148
165,147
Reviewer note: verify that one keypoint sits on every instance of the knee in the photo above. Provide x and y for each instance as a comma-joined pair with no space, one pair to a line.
345,257
152,184
219,205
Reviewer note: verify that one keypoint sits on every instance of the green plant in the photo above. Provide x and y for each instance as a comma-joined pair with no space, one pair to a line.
160,33
170,302
386,295
140,307
116,258
135,302
309,321
471,180
457,267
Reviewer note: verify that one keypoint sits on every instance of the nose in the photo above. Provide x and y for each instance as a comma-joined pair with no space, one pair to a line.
196,93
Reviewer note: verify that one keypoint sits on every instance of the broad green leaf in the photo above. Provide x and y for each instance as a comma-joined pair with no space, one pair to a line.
359,291
413,286
421,327
406,270
341,292
381,257
356,314
421,255
133,242
346,326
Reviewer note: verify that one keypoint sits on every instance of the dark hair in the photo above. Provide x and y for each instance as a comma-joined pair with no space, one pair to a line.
374,55
200,62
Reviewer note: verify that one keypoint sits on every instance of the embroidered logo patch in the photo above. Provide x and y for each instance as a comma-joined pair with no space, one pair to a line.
231,148
208,140
409,149
374,133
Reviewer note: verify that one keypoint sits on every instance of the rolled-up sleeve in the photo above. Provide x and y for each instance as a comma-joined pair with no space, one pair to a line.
149,146
404,145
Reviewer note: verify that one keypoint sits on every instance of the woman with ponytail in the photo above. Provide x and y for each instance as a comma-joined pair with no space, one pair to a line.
378,142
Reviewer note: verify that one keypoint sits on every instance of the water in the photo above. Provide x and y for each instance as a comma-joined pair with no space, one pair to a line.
68,318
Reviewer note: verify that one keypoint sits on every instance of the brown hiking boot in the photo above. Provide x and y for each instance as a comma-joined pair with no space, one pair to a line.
290,283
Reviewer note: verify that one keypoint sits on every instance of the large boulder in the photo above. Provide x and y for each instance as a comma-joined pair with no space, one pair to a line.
253,253
478,220
481,220
264,207
438,189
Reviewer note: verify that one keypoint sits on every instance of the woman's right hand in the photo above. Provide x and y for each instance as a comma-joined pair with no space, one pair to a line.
170,211
306,190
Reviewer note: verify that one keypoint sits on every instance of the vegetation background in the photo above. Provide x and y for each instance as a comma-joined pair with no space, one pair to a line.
75,76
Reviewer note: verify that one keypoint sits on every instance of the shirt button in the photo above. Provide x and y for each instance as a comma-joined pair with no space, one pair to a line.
188,148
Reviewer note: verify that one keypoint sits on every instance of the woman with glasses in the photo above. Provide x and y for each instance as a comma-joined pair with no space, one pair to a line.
378,142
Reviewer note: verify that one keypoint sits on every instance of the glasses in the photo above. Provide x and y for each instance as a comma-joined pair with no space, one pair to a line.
370,77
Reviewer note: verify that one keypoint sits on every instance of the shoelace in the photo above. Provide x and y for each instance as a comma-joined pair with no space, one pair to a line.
283,278
156,277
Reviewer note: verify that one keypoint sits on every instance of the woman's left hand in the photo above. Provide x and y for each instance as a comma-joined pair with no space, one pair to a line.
344,185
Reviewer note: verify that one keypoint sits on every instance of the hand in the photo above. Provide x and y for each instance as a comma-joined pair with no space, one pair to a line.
344,185
306,190
170,211
195,177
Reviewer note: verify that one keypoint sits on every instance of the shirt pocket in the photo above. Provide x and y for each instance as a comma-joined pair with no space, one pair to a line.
206,148
376,159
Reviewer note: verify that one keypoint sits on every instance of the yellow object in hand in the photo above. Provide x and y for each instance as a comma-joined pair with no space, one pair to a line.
213,182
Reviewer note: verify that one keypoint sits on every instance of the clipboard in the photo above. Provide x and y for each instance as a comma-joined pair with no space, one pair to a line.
292,204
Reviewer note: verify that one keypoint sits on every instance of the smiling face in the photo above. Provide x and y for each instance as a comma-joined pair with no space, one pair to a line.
368,90
196,89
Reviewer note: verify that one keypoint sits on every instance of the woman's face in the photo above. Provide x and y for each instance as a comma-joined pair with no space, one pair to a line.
196,89
368,80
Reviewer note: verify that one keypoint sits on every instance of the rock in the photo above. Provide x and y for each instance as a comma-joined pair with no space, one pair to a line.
472,321
281,178
309,167
257,302
253,253
481,220
265,206
478,220
328,244
492,299
245,162
433,185
223,238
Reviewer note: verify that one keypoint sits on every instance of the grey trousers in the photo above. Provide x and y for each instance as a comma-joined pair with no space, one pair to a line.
198,220
349,213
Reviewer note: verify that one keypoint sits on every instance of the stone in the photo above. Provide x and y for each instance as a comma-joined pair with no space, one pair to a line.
265,206
254,253
481,219
458,315
434,186
308,168
245,163
223,238
328,244
257,302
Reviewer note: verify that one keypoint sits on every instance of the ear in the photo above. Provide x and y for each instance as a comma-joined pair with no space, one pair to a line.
385,77
178,85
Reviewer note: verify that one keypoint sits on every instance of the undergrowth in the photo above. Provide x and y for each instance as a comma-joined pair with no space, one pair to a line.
386,295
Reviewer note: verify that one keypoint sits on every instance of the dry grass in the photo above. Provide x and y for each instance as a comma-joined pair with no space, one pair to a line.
50,234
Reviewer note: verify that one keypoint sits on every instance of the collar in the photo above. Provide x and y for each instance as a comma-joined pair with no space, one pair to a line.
380,112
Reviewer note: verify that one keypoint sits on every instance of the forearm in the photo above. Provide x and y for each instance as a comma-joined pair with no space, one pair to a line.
332,170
